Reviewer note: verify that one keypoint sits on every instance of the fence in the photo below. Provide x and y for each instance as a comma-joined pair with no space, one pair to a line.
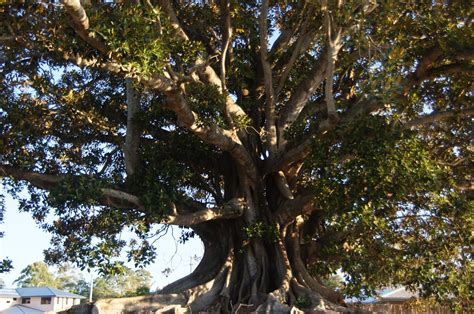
402,309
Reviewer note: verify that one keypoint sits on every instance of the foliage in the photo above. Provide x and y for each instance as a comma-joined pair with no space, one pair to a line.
37,275
5,265
360,156
126,284
129,283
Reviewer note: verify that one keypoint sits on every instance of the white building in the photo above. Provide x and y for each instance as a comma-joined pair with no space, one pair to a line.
36,300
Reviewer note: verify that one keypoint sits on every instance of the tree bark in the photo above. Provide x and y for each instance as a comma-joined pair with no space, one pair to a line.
253,262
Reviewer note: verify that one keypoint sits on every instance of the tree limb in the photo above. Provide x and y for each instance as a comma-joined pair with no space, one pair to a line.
334,35
80,23
226,140
132,137
268,78
169,11
121,199
226,39
292,208
437,116
302,44
232,209
298,100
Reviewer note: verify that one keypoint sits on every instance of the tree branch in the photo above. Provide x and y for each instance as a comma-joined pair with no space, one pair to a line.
226,140
292,208
298,100
232,209
302,44
120,199
206,73
268,78
334,35
132,137
169,11
437,116
226,39
80,23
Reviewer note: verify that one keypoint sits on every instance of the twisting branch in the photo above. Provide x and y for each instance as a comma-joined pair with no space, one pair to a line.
226,39
302,44
224,139
232,209
292,208
334,45
298,100
286,34
268,77
205,72
168,10
437,116
123,200
80,23
132,137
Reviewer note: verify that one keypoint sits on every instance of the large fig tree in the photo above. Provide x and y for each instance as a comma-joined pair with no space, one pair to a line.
295,138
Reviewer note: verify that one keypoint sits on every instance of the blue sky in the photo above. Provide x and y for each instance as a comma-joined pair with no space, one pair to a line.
24,243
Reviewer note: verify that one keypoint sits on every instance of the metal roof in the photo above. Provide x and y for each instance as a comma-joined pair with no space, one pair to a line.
21,309
10,293
400,294
46,292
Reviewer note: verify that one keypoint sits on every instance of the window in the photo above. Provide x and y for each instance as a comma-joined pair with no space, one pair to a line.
67,300
46,300
25,300
8,301
14,299
58,299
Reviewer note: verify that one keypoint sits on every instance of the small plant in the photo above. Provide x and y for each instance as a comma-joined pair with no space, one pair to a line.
303,302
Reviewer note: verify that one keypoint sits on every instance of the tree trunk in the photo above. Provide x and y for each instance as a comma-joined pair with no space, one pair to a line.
253,263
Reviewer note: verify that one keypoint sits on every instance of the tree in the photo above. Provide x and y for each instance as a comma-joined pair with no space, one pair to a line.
68,277
5,264
295,138
128,283
37,275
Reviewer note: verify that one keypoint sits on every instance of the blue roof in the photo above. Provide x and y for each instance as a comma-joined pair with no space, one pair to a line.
9,293
46,292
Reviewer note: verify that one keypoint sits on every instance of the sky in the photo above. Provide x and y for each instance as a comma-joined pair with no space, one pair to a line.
24,242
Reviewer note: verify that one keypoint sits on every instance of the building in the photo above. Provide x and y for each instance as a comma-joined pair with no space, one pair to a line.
36,300
399,295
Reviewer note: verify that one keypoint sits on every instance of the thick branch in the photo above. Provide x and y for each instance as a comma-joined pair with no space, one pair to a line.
268,77
334,45
132,138
206,73
226,39
169,11
232,209
292,208
286,34
298,100
302,44
224,139
80,23
437,116
157,82
120,199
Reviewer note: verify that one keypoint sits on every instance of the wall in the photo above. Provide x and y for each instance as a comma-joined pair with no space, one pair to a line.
388,308
64,303
4,302
143,304
36,303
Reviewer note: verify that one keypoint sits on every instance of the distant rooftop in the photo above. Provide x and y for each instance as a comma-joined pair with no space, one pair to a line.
38,292
400,294
9,293
21,309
